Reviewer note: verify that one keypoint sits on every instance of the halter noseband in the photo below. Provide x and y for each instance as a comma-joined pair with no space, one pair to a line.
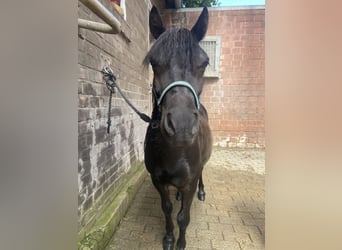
179,84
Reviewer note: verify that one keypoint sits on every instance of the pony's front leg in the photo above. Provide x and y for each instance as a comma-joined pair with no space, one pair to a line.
183,217
169,239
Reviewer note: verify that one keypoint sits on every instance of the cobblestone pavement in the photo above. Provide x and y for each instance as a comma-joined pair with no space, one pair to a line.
231,217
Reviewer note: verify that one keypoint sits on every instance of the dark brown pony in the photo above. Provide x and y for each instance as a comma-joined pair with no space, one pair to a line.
178,140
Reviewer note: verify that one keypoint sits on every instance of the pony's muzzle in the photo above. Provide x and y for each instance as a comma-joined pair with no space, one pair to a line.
181,124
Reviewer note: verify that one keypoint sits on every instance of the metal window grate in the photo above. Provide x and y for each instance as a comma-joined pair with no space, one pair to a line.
211,45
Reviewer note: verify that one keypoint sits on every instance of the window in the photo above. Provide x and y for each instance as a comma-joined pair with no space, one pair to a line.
212,45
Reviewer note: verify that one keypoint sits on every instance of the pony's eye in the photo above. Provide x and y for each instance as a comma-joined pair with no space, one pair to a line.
204,64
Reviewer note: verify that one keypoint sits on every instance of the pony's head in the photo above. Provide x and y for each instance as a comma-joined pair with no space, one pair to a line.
178,63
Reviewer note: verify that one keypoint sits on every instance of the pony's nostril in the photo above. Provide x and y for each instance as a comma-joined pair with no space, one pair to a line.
169,125
195,124
195,129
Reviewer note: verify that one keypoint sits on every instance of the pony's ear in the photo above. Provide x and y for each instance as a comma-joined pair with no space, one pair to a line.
156,23
201,26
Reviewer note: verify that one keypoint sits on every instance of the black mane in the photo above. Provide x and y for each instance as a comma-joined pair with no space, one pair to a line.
178,40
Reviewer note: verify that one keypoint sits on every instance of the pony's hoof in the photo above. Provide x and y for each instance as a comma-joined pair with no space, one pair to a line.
178,196
180,246
168,243
201,195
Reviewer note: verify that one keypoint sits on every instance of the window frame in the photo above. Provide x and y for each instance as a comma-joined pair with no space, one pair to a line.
215,73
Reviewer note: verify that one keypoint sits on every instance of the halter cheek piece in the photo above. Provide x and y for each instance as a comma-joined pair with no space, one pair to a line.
179,84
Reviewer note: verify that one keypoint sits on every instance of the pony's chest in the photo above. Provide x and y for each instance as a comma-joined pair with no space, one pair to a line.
174,175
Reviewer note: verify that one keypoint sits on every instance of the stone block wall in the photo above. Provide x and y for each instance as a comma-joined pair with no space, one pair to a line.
103,157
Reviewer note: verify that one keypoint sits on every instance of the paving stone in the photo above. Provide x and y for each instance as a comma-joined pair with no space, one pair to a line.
198,242
209,234
218,227
245,229
195,248
208,218
214,211
241,238
230,220
252,247
122,244
253,222
223,245
202,224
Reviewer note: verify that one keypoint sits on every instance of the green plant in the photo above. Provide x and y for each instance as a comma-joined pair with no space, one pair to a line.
199,3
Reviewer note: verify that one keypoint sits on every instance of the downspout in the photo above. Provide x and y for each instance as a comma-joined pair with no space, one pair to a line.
113,25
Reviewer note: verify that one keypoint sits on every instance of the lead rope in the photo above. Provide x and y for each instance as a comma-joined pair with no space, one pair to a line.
110,80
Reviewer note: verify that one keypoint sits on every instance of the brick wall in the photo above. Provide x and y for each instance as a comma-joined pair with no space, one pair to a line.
103,157
234,100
